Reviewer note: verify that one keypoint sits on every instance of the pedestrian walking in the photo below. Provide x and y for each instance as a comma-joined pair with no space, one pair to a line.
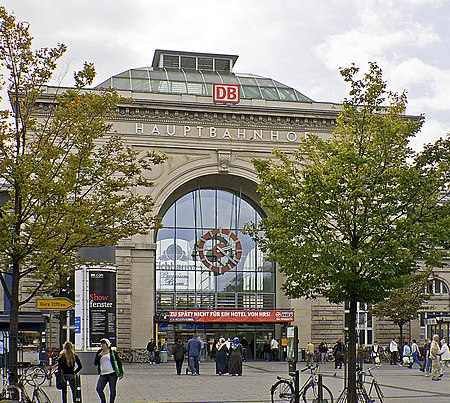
323,349
445,355
235,359
309,354
69,365
338,354
274,349
110,369
151,351
178,353
194,348
435,349
393,349
221,353
406,355
426,367
415,354
375,353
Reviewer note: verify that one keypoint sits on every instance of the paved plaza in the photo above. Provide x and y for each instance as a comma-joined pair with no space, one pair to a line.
144,383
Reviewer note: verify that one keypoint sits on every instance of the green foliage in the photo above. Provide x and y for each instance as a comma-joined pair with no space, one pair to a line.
71,183
403,304
351,214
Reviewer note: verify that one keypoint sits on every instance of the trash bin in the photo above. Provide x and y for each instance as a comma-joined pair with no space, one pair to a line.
163,356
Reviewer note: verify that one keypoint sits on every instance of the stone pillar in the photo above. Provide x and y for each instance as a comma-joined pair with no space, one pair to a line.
136,293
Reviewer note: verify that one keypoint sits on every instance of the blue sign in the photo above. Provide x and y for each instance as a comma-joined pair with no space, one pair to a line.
78,324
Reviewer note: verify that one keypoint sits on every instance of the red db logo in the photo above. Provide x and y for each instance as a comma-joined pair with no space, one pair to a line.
229,93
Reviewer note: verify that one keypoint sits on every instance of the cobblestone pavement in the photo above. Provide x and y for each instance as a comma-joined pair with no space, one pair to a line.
144,383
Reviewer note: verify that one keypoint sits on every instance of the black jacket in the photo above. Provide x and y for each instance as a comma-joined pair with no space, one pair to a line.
178,352
69,369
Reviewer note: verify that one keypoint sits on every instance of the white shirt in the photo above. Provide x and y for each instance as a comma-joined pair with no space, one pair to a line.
273,344
393,346
445,353
105,364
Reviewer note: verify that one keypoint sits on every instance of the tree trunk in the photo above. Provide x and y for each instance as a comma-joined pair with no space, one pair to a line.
14,325
351,386
400,345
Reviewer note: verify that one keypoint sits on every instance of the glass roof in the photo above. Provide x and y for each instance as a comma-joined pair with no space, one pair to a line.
198,82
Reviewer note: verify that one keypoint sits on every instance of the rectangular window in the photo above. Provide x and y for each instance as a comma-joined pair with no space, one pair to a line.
188,63
222,65
205,63
171,62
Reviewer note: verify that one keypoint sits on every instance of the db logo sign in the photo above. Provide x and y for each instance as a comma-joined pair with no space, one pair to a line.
229,93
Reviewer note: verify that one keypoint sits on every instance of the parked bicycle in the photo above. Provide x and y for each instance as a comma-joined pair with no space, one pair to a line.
126,355
20,394
362,394
41,372
284,391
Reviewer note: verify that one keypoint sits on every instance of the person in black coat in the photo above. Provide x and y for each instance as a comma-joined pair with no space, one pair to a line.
178,353
235,359
69,365
221,357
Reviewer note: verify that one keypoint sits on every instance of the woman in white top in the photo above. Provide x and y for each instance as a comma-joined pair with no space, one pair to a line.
445,353
109,368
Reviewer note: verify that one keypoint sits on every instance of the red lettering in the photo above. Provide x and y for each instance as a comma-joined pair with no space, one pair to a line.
226,93
95,297
220,93
232,93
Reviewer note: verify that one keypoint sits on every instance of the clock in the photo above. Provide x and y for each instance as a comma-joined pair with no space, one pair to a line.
220,250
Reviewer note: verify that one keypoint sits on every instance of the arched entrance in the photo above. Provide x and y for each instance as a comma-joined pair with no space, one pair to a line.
205,263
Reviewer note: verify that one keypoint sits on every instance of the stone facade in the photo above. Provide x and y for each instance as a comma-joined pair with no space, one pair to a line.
210,144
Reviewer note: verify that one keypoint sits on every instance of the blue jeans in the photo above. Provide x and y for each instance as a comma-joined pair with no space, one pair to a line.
101,383
415,357
427,367
194,365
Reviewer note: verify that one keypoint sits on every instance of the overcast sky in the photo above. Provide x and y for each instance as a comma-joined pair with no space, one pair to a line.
301,43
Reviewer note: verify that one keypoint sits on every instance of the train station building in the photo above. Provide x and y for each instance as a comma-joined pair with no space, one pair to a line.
200,272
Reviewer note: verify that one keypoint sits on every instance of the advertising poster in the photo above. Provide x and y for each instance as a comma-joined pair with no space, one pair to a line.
259,316
102,306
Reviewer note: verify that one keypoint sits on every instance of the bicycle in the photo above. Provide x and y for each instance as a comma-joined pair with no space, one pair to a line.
20,394
126,355
41,372
364,396
283,390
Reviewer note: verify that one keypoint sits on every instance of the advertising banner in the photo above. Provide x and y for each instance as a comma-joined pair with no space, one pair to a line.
256,316
102,306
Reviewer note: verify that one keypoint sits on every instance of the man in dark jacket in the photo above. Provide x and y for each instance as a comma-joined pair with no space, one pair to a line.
194,347
151,351
178,353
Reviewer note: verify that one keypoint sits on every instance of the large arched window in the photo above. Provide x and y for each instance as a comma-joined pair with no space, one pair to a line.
203,259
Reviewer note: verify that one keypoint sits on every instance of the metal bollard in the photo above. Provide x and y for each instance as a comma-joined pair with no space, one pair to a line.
320,389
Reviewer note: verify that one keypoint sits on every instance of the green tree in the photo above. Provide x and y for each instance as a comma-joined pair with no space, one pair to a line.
70,182
349,215
405,303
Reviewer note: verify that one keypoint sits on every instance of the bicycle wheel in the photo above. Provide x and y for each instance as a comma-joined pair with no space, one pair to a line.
142,356
35,375
40,396
282,391
311,394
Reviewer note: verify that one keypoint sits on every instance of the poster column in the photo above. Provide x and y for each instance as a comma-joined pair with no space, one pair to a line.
80,309
102,305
